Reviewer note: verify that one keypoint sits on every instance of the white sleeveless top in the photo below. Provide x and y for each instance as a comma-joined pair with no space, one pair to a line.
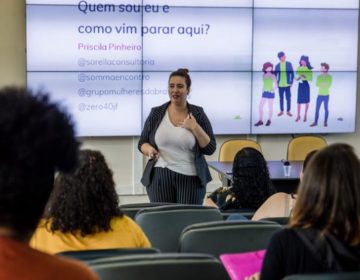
176,148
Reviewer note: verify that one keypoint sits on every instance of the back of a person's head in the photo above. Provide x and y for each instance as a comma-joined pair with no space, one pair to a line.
329,194
251,179
37,138
307,159
84,200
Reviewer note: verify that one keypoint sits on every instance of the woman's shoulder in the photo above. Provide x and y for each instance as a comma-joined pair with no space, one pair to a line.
44,224
126,224
303,68
123,222
275,206
123,219
277,199
195,108
199,113
285,236
158,112
279,196
161,107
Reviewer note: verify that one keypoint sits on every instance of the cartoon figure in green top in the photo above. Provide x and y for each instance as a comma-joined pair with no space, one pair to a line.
304,77
285,77
269,87
323,82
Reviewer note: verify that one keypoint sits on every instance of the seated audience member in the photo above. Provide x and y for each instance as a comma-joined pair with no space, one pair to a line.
83,212
251,183
280,204
324,229
37,138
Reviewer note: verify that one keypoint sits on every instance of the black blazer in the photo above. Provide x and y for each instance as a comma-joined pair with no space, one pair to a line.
153,121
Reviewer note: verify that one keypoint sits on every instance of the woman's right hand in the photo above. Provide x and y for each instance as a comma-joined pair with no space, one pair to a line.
210,202
149,151
153,153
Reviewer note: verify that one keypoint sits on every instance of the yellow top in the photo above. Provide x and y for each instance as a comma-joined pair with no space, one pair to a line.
125,233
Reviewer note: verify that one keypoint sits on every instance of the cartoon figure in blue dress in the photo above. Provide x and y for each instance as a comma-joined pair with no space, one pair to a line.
304,76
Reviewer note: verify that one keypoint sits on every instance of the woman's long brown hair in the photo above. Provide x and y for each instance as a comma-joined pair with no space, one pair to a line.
329,194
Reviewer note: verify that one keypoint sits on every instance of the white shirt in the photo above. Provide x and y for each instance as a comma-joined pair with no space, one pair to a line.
176,147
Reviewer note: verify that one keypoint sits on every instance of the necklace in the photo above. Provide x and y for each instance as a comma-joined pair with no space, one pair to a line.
177,117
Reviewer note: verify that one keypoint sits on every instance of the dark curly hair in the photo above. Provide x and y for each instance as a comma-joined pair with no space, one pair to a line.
251,180
37,138
85,200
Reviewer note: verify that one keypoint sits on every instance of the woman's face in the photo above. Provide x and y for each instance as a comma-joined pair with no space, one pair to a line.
268,69
178,90
303,62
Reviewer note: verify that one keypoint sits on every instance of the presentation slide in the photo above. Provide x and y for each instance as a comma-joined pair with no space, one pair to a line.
101,103
108,62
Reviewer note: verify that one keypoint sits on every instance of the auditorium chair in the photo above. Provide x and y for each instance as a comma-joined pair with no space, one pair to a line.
300,146
225,237
229,148
90,255
280,220
163,266
164,224
326,276
131,209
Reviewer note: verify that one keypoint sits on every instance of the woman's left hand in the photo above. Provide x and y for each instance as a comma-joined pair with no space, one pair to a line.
192,125
189,123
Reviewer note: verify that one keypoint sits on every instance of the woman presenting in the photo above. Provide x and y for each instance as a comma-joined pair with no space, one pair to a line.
177,135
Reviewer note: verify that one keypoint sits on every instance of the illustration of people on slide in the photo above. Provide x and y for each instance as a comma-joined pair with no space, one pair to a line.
268,94
284,75
304,76
323,82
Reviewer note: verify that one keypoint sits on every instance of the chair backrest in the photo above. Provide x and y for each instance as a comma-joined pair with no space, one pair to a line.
162,266
164,224
218,238
131,209
280,220
300,146
229,148
90,255
326,276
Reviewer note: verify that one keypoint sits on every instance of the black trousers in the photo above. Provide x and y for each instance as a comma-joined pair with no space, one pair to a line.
171,187
287,92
